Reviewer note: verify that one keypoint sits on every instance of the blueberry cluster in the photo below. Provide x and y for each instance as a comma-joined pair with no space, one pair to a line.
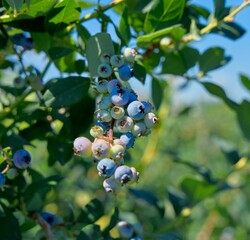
120,119
21,160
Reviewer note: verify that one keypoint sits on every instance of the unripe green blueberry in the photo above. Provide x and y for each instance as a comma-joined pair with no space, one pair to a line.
104,116
104,70
165,43
102,86
105,58
96,131
116,61
117,152
124,124
117,112
139,129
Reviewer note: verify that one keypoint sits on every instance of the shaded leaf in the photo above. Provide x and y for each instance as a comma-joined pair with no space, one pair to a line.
232,156
245,81
243,117
139,72
148,197
15,4
179,62
58,52
197,190
90,232
66,91
124,27
92,212
178,200
212,58
80,66
230,29
157,92
113,221
219,92
97,45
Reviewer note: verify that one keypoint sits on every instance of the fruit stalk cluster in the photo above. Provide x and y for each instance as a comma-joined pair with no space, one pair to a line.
121,118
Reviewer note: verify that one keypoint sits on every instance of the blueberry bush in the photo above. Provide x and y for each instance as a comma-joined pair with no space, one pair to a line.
92,143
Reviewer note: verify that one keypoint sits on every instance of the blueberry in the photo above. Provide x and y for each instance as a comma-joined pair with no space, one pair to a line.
132,97
110,185
150,120
106,167
104,70
147,106
102,86
114,84
2,179
125,72
124,124
105,58
100,148
117,112
123,174
129,54
136,110
104,116
128,139
116,61
104,102
82,146
139,129
119,97
125,229
48,217
117,152
96,131
21,159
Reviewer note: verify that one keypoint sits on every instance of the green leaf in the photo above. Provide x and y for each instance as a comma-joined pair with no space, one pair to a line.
15,4
66,91
148,39
139,72
230,30
162,14
66,63
80,66
148,197
157,92
124,26
83,36
59,150
219,6
92,212
90,232
178,200
219,92
58,52
245,81
197,190
179,62
9,227
113,221
212,58
97,45
66,11
232,156
243,117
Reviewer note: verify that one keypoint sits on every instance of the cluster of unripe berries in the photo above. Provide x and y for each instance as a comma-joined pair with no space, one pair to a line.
120,119
20,160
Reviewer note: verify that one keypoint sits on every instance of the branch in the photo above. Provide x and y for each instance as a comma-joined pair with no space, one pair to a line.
213,24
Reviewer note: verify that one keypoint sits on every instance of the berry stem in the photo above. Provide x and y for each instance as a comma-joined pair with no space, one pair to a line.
6,169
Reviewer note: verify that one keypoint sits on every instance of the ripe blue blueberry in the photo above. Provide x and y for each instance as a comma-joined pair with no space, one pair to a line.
147,106
2,179
128,139
136,110
132,97
123,174
48,217
114,84
139,129
125,229
125,72
119,97
106,167
21,159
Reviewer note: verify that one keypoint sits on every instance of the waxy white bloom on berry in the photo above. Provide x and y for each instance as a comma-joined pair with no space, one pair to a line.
82,146
100,148
124,124
150,120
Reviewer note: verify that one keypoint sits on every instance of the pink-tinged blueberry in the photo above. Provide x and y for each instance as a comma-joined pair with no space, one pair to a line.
110,185
100,148
82,146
